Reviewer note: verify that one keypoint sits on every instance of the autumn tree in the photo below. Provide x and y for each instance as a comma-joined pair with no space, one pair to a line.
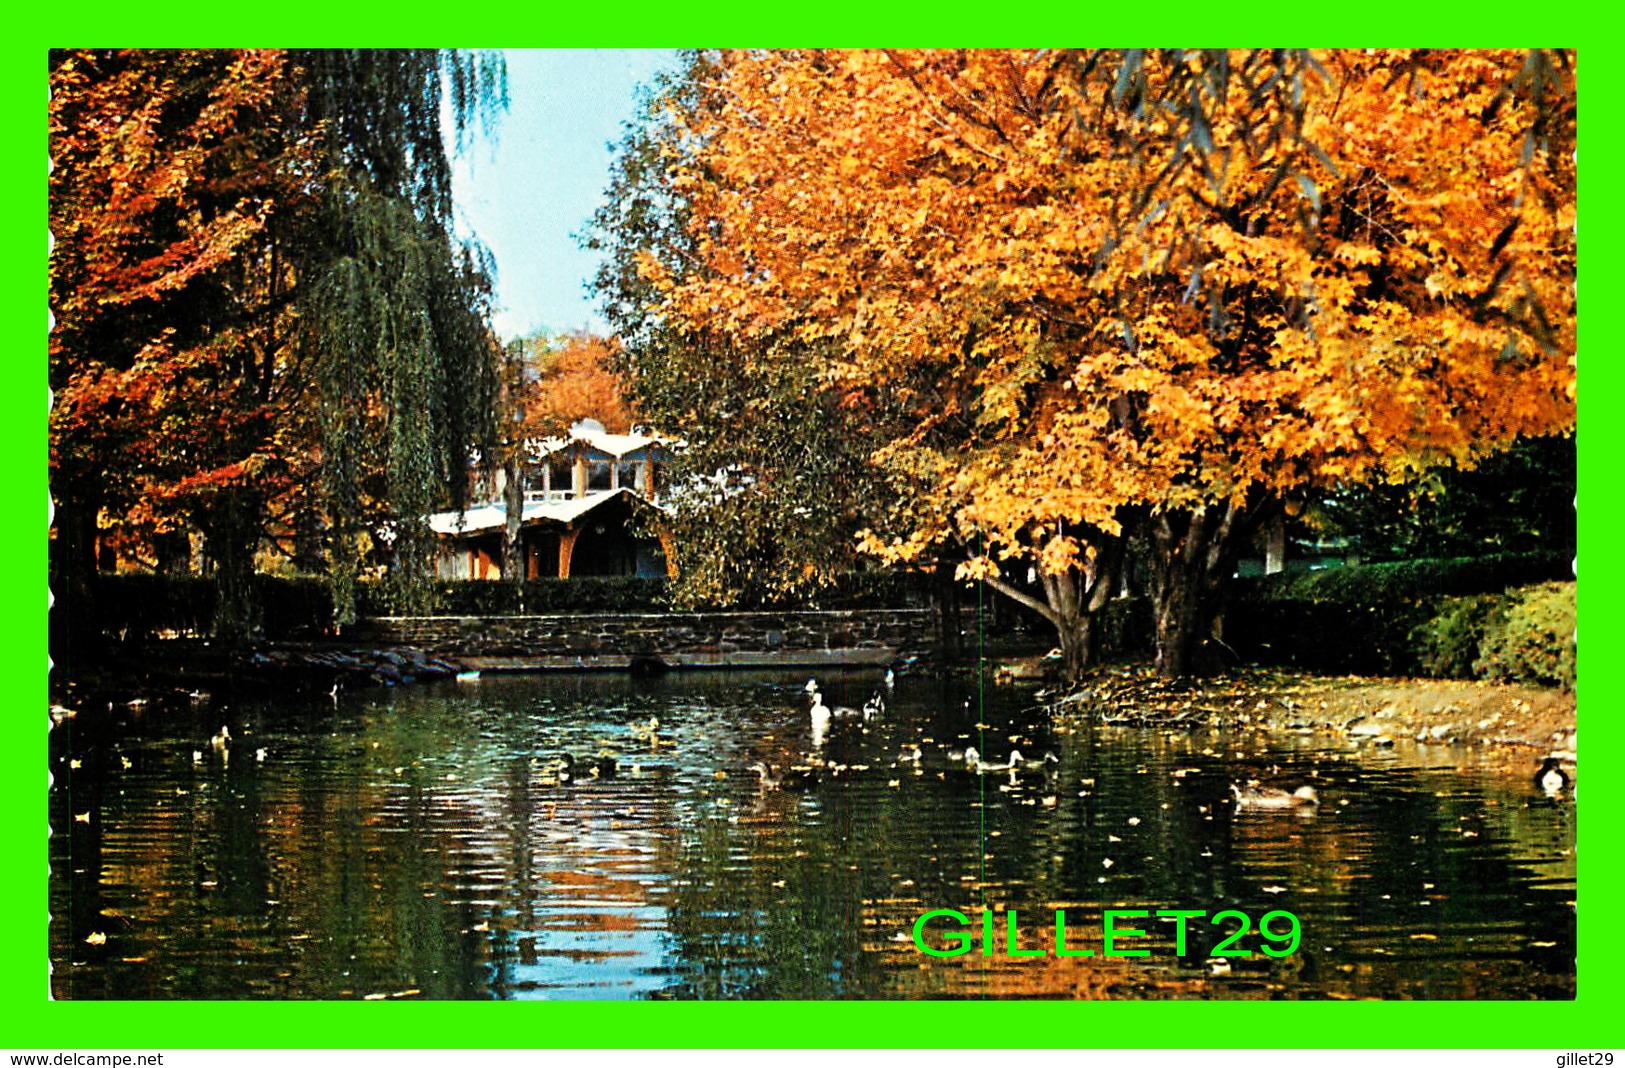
1150,293
164,288
568,378
263,321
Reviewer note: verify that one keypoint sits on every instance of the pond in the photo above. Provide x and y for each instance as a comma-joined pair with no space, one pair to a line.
417,843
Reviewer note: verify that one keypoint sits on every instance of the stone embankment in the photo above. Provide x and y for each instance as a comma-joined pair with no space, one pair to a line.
659,640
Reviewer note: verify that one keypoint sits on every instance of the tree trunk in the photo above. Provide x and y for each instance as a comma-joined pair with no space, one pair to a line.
75,625
1077,644
1179,622
1071,600
1194,553
946,592
513,499
232,536
1275,547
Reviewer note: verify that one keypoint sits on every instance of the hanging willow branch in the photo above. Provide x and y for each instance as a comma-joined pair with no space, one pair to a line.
396,323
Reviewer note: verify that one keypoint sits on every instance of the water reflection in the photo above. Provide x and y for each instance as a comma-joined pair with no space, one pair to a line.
413,843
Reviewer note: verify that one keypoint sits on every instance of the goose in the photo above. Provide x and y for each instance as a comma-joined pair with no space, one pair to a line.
974,761
223,739
600,767
1551,778
1267,797
874,706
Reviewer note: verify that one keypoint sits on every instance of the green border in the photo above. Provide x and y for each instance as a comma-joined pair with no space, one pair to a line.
35,1022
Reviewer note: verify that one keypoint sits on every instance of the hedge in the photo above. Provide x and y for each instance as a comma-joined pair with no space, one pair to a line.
1406,618
532,597
139,606
1410,580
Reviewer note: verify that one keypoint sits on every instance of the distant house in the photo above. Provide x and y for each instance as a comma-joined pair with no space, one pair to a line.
589,498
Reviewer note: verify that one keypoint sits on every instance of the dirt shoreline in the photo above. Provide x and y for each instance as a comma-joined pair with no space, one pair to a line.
1380,710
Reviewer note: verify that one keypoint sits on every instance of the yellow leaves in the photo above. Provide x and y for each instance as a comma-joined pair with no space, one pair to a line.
1109,341
1443,283
1059,555
1356,254
975,569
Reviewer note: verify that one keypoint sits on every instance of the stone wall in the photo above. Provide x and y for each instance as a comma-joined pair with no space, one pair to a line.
672,639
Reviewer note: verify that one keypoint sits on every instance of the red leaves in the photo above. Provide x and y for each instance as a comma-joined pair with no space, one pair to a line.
167,168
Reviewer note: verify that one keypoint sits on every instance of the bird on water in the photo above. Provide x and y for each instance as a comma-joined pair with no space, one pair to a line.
1551,778
1270,798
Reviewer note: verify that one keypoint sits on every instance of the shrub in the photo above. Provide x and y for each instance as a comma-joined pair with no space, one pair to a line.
294,606
1329,636
136,605
544,596
1534,641
1448,644
593,593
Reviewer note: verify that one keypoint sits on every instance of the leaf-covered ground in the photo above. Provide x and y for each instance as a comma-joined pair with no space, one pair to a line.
1377,710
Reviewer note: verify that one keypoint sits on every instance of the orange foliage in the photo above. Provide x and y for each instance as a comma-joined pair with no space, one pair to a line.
569,379
1092,302
167,171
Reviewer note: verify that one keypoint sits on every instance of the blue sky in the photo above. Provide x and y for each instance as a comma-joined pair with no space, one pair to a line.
528,189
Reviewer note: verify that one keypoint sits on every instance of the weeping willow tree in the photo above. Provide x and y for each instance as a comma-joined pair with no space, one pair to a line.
395,321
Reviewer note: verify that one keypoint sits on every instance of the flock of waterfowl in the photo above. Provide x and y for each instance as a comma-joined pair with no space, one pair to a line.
813,766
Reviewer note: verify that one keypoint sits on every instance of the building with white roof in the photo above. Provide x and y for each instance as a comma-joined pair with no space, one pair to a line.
589,501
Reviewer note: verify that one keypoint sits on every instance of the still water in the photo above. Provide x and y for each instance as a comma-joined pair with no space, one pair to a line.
415,843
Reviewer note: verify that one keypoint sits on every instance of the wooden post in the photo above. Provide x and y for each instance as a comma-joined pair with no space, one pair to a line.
1275,544
669,547
567,544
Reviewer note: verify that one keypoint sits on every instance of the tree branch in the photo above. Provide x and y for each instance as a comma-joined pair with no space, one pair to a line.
1023,598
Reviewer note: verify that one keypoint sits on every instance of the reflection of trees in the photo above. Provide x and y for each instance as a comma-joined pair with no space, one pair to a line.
408,844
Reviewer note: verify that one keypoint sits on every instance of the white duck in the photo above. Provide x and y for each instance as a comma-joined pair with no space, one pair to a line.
820,719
